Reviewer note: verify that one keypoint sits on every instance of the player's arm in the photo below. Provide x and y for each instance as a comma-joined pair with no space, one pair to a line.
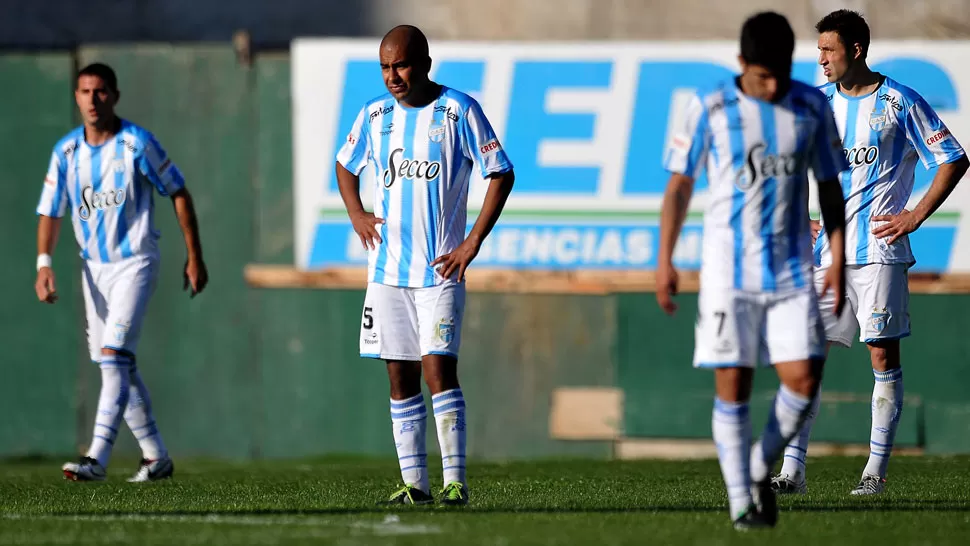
480,145
828,162
50,209
165,176
936,147
684,159
351,160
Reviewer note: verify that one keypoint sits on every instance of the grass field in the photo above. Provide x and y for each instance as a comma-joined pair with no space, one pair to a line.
331,501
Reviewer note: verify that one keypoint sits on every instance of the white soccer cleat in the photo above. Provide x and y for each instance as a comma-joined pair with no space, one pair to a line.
150,471
86,469
869,485
783,484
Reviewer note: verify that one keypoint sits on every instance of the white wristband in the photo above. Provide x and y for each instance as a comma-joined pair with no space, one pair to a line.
43,260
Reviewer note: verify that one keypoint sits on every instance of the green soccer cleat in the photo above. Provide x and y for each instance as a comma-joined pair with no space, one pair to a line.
408,494
454,494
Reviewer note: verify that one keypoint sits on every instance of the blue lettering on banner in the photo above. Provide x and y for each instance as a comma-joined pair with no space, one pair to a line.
531,123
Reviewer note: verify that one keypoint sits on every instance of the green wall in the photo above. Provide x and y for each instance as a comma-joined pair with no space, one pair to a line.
242,372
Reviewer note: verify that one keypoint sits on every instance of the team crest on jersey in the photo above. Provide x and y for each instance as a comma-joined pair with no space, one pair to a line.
445,330
436,133
879,319
877,120
118,165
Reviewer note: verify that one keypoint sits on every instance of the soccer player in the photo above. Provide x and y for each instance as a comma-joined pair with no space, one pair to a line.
423,140
104,173
885,128
757,135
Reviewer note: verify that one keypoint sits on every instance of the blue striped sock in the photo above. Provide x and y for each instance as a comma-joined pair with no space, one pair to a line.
731,426
797,450
887,406
784,421
409,420
138,415
449,416
115,371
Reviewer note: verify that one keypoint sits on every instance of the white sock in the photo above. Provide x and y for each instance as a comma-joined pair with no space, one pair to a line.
114,396
887,406
731,426
783,423
409,420
449,416
797,450
139,417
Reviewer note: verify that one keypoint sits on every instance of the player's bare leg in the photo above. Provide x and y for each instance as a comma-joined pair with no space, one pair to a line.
731,428
115,382
409,417
441,374
887,407
155,464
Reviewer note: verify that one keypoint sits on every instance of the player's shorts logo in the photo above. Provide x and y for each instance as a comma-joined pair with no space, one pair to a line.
401,167
101,200
879,320
445,330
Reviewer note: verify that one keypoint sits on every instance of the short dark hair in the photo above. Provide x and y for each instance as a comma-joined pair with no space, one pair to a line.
850,27
767,39
102,71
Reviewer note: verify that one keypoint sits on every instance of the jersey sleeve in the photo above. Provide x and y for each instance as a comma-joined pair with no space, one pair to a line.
688,147
930,136
356,151
827,158
479,143
53,196
159,169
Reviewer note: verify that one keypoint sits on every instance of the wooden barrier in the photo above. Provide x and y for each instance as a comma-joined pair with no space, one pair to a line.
543,282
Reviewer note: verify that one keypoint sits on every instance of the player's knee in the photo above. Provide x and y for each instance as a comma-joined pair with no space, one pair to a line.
405,379
105,351
884,355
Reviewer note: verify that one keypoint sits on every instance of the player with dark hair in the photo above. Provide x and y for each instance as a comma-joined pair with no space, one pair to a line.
886,127
104,173
757,135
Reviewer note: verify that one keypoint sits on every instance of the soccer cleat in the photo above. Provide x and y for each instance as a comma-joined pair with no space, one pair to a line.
750,519
86,469
408,495
454,494
153,470
766,502
869,485
783,484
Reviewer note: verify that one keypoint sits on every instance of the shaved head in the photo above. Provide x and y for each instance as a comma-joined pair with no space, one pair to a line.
406,64
409,38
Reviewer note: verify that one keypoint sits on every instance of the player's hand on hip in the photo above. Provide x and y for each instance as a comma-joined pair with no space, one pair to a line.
365,224
667,288
46,291
195,277
896,225
835,281
457,260
816,229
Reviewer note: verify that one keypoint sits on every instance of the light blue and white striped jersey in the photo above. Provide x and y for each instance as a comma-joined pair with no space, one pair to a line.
757,155
109,191
883,134
424,157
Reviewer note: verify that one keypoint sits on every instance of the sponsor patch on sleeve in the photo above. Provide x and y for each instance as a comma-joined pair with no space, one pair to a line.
48,181
938,136
352,139
490,147
680,143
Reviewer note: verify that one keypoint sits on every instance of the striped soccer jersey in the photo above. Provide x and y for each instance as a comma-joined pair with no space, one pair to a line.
883,134
757,155
109,191
423,159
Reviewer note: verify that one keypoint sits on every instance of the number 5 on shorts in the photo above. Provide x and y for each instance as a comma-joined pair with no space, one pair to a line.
368,318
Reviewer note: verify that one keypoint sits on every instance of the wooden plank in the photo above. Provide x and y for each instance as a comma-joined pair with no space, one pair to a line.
586,413
544,282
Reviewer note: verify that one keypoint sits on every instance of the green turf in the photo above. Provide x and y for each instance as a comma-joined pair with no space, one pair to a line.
559,502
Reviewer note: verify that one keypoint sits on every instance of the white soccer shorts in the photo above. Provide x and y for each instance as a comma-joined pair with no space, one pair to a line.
877,304
741,329
404,324
116,298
